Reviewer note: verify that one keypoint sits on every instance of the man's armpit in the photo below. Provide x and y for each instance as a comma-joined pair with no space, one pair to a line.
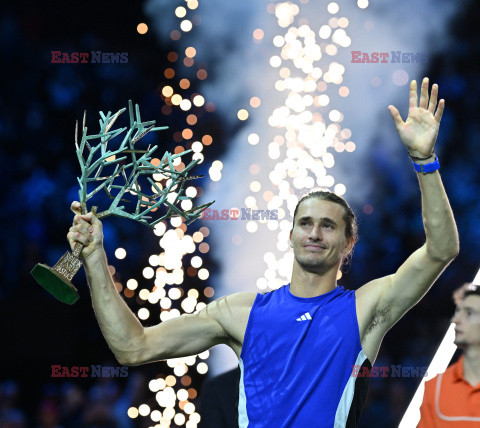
381,318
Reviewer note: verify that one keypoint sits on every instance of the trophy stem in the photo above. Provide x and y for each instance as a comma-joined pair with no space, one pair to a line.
77,250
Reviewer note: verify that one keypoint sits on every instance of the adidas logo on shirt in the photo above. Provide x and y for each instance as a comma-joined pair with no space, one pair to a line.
305,317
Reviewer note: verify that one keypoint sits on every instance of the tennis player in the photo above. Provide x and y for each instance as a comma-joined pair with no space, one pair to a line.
297,345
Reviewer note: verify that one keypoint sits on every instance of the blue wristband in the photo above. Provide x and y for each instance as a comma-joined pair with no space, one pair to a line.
428,167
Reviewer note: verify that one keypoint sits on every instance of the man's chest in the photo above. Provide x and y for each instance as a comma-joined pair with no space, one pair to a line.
271,332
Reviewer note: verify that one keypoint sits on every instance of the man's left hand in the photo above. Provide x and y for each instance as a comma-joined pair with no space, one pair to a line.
419,132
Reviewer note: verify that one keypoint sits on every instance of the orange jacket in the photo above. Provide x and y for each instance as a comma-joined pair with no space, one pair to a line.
450,401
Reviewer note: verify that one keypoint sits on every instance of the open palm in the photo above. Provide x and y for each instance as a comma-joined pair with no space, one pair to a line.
419,132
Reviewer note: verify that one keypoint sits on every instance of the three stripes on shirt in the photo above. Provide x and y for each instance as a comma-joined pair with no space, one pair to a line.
305,317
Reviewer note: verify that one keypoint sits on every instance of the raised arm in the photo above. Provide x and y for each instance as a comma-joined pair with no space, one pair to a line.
131,343
388,298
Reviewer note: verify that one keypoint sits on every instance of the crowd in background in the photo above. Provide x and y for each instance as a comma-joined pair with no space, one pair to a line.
38,105
67,404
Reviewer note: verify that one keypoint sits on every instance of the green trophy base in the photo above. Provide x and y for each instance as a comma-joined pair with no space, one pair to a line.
59,287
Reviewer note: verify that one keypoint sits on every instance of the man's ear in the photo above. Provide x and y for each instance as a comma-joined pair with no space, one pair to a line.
349,246
291,231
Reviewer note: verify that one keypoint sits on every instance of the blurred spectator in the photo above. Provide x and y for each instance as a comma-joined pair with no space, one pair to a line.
10,415
452,398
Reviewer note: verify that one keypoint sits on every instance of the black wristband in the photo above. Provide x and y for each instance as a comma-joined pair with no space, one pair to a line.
421,159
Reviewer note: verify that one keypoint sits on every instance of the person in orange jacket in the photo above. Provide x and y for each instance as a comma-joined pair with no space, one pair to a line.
452,398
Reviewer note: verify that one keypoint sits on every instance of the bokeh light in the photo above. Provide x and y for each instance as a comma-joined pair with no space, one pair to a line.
142,28
242,114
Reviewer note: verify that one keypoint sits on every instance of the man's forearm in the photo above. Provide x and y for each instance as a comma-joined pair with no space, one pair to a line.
440,228
120,327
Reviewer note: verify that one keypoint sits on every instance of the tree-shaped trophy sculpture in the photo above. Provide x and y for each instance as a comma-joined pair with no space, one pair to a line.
122,170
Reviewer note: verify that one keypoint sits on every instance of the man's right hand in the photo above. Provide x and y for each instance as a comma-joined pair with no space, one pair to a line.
86,229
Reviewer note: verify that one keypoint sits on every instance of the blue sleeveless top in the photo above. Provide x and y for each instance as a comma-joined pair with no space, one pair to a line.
296,362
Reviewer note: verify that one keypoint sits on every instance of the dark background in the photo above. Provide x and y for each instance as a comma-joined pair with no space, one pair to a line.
39,104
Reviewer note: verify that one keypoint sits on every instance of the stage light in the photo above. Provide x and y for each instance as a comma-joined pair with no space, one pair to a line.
343,22
120,253
179,419
255,186
258,34
154,260
255,102
203,274
132,412
198,101
202,368
142,28
156,416
132,284
192,4
242,114
180,12
186,25
148,273
190,52
175,35
253,139
362,4
176,99
185,105
154,385
275,61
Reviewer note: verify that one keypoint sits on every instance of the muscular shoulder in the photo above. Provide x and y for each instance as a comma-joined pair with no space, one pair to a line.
231,302
232,312
231,305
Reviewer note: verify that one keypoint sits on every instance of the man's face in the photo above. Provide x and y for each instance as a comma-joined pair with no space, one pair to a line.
467,320
318,235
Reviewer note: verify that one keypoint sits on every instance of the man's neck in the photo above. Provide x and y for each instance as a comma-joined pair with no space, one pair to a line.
310,284
471,365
